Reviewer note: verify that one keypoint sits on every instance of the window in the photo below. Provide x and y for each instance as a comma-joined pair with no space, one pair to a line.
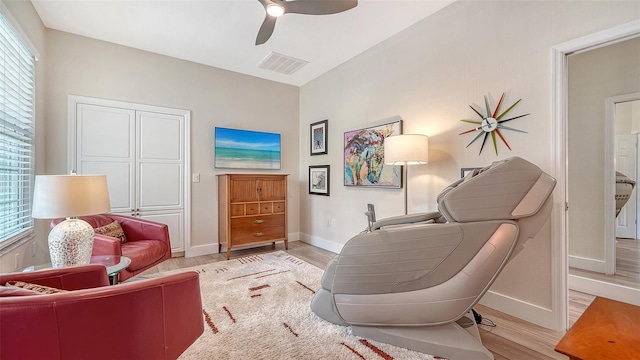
16,135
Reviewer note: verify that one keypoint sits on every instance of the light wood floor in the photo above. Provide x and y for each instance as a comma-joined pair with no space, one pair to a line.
512,338
627,265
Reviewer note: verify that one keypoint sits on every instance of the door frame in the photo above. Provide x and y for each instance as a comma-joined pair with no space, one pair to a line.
628,212
72,105
559,115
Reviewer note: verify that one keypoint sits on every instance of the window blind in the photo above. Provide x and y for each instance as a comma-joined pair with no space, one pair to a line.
17,74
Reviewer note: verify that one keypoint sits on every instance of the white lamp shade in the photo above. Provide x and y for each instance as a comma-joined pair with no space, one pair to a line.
60,196
408,149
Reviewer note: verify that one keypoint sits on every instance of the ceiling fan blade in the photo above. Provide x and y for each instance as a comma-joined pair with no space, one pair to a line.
318,7
266,30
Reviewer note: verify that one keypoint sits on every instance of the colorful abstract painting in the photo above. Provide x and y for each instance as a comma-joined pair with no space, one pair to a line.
364,157
243,149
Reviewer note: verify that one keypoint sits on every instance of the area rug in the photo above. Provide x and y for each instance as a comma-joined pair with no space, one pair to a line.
258,307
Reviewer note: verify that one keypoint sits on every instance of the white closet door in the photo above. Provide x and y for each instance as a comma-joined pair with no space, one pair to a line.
144,152
160,161
626,163
105,145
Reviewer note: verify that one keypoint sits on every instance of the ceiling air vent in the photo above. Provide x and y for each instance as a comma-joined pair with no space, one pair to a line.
281,63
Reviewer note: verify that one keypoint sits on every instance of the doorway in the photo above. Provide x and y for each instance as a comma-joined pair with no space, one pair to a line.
623,114
562,140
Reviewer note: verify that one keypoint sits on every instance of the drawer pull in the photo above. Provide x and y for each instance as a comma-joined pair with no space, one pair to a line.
258,221
258,234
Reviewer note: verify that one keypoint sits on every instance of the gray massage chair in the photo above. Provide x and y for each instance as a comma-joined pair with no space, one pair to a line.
411,281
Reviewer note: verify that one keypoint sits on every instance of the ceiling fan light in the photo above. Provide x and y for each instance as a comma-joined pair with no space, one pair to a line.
275,10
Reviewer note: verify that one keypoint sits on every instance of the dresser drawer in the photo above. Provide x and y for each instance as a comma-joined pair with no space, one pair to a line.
279,207
248,236
266,208
237,209
245,209
257,222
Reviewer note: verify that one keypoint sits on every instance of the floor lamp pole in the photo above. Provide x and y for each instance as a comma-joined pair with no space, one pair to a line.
406,185
404,150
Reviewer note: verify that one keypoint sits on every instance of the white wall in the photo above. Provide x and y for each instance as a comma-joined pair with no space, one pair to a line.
428,75
628,116
594,76
215,97
28,20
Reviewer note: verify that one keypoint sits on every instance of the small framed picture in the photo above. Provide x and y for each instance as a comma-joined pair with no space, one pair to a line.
319,137
319,177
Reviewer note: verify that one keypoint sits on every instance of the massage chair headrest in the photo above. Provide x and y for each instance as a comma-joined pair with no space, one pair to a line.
509,189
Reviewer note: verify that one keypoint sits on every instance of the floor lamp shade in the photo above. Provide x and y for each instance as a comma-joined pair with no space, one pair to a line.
70,196
408,149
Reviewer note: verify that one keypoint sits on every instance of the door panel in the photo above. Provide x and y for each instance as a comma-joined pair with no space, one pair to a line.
104,141
105,132
243,190
160,136
159,186
119,180
272,189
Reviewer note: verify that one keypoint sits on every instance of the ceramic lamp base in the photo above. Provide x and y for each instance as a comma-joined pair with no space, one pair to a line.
71,243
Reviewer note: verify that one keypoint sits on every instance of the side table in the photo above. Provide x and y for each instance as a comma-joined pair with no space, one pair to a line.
113,263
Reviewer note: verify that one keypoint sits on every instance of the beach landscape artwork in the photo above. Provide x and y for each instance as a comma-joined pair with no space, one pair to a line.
244,149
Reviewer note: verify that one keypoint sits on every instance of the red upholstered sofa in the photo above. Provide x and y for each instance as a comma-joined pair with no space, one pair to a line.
148,242
155,318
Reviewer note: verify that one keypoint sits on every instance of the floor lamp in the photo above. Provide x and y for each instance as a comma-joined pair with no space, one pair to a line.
405,150
70,196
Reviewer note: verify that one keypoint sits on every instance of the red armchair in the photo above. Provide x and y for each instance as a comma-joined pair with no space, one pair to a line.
147,319
147,245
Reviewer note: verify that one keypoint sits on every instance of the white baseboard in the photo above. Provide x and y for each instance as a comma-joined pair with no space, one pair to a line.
209,249
587,264
200,250
529,312
604,289
321,243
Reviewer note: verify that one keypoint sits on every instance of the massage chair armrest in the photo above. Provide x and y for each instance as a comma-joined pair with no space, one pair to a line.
421,218
67,278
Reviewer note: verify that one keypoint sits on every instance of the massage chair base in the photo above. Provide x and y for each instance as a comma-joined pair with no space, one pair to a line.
451,341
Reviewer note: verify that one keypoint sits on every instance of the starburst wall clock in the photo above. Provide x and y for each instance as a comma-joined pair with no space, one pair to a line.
491,124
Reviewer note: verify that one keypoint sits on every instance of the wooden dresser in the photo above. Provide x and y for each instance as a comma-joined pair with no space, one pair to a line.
252,210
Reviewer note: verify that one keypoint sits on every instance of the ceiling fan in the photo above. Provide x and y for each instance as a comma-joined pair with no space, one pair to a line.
276,8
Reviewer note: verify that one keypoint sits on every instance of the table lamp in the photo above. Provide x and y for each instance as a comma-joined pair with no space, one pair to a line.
70,196
407,149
